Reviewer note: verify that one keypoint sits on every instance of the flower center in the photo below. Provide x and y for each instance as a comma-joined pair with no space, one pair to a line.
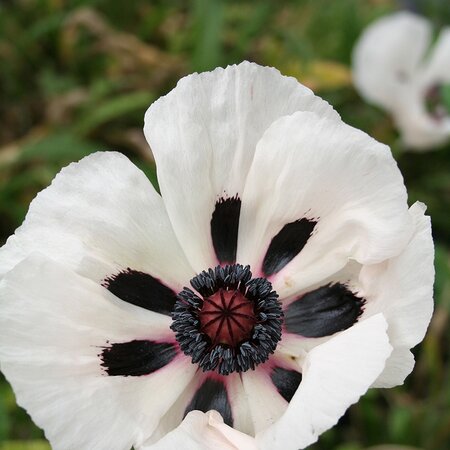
227,317
437,101
231,323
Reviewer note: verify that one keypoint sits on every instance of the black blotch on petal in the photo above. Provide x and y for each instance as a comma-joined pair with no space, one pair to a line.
212,394
136,358
324,311
141,289
287,244
224,228
286,381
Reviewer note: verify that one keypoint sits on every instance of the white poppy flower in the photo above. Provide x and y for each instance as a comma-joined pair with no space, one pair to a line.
310,278
397,67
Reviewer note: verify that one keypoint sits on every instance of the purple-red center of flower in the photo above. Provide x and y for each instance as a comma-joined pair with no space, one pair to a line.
231,323
227,317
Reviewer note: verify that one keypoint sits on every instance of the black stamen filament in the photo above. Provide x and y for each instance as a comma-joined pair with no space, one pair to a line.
232,324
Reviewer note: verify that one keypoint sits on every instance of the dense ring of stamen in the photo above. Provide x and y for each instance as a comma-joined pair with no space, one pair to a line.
234,323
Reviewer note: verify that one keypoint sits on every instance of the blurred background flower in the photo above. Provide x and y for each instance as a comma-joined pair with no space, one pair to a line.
77,77
397,67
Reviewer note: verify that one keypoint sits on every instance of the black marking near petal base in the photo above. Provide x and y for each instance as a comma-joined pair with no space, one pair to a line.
141,289
324,311
136,358
286,381
224,228
287,244
212,394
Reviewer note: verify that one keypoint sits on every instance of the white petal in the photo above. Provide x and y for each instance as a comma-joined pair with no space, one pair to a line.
335,375
203,135
387,57
242,419
296,346
266,404
99,216
437,68
236,397
402,289
174,416
53,325
398,366
419,130
390,69
330,172
200,431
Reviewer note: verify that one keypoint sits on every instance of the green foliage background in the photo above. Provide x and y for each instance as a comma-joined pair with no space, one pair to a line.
77,76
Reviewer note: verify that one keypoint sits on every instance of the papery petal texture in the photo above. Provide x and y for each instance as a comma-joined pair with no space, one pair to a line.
402,289
335,375
200,431
54,326
204,134
99,216
437,68
331,174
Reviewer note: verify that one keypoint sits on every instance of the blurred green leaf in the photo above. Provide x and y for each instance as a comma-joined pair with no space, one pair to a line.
150,171
207,33
445,93
4,416
44,25
251,22
53,83
117,107
442,280
349,446
399,424
60,146
25,445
